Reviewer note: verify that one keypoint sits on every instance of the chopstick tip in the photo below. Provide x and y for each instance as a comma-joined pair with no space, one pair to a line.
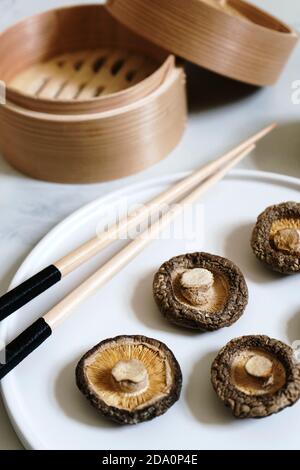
273,126
265,131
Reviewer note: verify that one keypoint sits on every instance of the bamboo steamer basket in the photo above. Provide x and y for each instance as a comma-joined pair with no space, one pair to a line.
230,37
87,99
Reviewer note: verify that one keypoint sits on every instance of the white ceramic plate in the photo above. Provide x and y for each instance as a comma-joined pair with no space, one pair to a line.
47,410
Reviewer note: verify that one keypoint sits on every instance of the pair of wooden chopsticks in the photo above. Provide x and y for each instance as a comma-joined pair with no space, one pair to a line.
40,330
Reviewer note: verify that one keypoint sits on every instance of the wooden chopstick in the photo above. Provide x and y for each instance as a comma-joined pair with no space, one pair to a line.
40,330
86,251
40,282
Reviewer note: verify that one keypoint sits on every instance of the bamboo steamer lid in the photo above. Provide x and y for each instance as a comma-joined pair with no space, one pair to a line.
230,37
87,99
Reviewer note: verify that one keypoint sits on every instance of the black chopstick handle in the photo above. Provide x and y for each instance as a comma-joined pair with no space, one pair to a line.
23,345
28,290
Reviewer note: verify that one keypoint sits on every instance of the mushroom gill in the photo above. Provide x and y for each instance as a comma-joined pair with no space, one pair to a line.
210,297
285,235
275,238
130,379
99,374
200,290
256,372
256,376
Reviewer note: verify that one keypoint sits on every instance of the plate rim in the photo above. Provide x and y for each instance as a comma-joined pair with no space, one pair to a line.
28,438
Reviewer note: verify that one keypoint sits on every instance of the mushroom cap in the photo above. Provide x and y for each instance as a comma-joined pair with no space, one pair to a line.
252,397
94,379
230,292
269,222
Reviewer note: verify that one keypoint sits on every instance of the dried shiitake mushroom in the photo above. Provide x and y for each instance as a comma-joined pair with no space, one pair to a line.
130,379
200,291
276,237
256,376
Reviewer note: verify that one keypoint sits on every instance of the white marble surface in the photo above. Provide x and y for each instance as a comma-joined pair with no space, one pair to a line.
221,113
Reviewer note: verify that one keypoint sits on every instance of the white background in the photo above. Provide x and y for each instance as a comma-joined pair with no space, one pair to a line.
222,113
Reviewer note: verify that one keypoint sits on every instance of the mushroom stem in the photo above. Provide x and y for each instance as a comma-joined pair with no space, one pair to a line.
288,239
195,285
130,376
259,366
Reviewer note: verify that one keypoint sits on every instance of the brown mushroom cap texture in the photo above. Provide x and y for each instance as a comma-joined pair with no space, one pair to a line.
158,393
260,390
273,220
223,304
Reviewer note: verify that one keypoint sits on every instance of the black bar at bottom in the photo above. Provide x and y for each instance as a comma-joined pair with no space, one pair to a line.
135,459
